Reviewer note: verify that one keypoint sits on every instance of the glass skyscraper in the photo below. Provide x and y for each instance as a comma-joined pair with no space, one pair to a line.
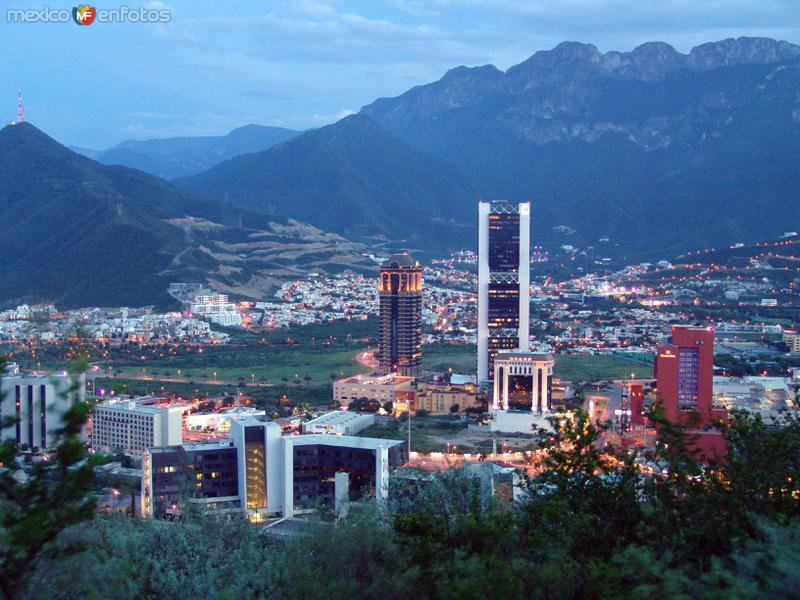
504,237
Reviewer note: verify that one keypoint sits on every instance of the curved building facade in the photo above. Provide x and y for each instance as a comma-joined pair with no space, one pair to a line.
400,336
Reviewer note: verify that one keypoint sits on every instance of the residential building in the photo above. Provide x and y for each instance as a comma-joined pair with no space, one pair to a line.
217,309
503,280
400,335
133,425
792,340
37,404
441,398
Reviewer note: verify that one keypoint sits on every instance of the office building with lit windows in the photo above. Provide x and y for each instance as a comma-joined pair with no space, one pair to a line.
261,474
201,474
400,335
503,281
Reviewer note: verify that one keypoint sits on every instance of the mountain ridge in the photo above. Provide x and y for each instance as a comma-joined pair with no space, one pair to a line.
182,156
80,233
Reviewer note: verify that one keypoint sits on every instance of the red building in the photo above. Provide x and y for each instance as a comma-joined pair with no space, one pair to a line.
684,373
636,400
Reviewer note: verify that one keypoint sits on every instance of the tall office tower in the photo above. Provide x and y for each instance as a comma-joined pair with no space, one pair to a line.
504,239
400,336
684,373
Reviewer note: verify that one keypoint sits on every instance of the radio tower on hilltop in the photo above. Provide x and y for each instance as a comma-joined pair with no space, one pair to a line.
20,108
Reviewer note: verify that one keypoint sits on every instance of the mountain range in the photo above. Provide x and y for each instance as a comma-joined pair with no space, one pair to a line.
182,156
637,155
80,233
656,150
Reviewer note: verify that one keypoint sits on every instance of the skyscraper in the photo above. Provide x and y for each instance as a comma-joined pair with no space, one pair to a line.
400,336
504,237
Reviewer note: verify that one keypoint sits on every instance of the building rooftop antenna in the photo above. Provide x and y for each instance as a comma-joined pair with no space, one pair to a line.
20,108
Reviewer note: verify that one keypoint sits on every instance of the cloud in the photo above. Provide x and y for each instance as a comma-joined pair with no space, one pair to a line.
297,62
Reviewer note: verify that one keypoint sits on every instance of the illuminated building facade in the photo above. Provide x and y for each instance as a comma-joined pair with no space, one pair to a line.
201,474
503,280
684,373
522,381
262,474
400,335
135,425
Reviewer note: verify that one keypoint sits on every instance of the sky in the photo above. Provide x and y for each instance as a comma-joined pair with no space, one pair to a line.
220,64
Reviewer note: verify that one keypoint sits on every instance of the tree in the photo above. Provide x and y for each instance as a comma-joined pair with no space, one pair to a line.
34,511
454,408
364,405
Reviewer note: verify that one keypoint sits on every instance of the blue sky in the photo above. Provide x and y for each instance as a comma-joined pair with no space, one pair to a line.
304,63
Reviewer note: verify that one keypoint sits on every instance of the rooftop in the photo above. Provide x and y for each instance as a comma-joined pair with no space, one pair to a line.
401,261
337,417
349,441
389,379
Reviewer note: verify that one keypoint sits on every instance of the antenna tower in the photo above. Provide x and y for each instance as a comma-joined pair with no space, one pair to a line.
20,108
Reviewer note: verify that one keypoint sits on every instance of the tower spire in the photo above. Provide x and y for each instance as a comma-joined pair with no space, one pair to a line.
20,108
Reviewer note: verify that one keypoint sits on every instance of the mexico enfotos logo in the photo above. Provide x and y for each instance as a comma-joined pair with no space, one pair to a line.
85,15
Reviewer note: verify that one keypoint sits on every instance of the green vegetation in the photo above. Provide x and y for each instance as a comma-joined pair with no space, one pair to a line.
428,434
307,356
37,505
462,358
571,367
595,525
585,367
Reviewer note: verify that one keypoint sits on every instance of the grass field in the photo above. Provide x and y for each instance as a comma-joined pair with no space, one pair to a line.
440,357
571,367
255,364
585,367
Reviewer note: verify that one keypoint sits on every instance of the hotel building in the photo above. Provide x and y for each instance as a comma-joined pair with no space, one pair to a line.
134,425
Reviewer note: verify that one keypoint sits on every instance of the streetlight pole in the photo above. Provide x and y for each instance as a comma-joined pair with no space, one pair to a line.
409,432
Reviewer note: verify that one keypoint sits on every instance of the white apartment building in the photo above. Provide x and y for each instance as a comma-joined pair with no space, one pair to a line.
217,309
133,426
37,403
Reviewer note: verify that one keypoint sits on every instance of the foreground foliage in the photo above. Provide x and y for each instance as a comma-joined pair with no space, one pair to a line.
597,523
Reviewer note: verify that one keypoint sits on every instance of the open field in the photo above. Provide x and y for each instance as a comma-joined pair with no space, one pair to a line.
313,366
571,367
585,367
459,357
